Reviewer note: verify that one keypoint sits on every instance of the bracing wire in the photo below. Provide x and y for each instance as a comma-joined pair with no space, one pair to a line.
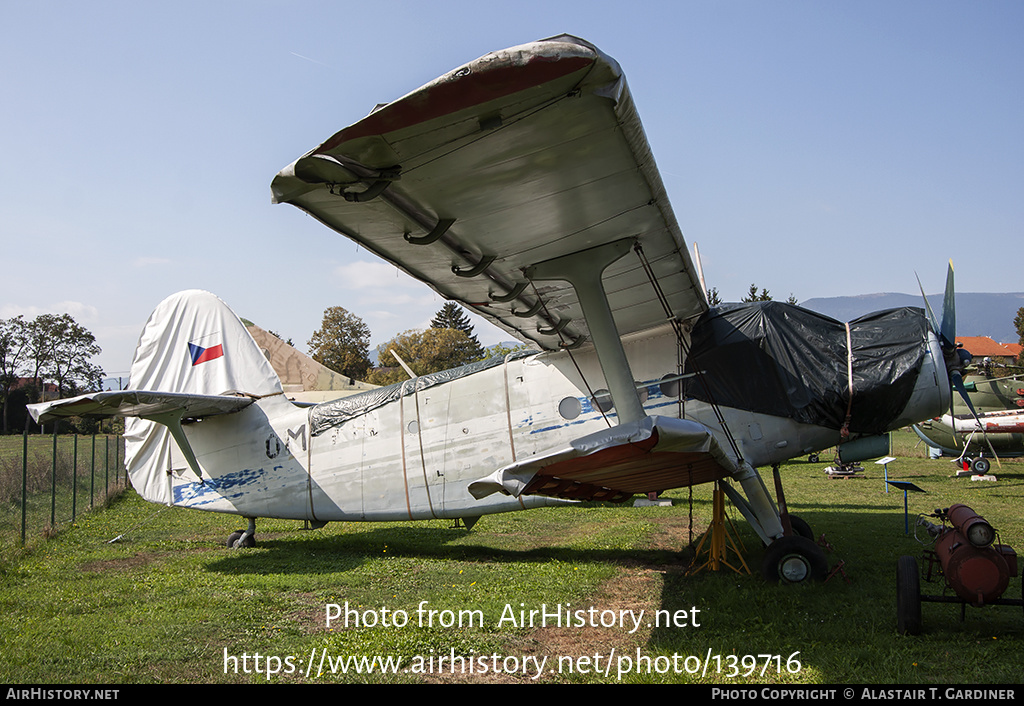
682,346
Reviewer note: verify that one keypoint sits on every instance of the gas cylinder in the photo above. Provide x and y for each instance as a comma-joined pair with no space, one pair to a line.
977,570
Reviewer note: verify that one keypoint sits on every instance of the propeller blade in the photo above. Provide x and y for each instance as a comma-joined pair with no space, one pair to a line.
958,383
946,329
956,358
949,309
928,307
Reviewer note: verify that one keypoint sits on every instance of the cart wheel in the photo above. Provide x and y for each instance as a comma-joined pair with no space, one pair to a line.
908,596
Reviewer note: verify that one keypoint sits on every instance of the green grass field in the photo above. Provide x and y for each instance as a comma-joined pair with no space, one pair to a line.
168,602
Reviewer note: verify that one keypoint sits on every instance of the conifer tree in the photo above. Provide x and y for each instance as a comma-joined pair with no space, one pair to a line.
452,316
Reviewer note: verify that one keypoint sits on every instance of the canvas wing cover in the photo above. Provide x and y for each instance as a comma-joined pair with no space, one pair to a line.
650,455
136,403
194,359
519,157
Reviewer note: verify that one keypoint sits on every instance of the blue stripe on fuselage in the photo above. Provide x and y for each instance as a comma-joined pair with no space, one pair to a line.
228,486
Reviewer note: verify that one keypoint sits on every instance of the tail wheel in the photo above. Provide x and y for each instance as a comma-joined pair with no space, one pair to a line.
794,560
249,541
908,596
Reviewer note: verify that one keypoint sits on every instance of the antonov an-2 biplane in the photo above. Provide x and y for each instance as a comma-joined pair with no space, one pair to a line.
522,186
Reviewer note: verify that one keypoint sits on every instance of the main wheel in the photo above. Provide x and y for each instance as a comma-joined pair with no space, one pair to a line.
800,527
794,560
981,465
908,596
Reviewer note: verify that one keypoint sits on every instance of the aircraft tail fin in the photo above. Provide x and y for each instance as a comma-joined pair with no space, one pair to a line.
195,358
194,344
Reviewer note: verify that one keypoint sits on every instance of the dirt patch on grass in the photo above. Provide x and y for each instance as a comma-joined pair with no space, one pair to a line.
307,613
673,533
584,650
565,651
618,603
119,564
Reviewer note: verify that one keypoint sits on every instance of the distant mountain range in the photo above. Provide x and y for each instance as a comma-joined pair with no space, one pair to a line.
976,314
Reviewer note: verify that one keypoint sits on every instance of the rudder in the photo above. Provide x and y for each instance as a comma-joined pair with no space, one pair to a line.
192,343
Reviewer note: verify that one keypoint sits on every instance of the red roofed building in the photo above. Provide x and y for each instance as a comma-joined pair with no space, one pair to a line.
984,347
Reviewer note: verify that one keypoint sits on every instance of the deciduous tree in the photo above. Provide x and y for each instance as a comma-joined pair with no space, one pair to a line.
13,347
342,343
425,352
1018,323
69,365
49,348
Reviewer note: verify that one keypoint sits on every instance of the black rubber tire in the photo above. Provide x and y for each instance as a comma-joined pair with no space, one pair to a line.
794,560
908,596
813,458
981,466
800,527
236,535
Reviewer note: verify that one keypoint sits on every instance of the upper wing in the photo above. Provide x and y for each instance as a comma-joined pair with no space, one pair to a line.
519,157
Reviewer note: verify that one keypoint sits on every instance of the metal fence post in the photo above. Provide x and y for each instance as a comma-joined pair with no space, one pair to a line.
74,480
24,482
53,480
92,473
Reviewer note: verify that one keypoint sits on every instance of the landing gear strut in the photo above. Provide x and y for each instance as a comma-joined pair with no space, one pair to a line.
793,558
243,538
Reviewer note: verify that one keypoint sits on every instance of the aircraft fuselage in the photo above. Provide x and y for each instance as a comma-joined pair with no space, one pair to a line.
413,457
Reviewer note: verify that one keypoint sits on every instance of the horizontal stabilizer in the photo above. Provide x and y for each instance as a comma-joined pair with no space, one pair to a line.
139,403
650,455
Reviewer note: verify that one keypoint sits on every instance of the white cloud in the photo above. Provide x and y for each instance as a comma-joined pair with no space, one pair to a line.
80,312
372,275
146,261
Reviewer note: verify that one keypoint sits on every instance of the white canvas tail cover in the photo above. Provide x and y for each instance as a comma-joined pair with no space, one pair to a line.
192,343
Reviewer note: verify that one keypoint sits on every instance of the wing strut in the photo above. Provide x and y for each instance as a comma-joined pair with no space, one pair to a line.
681,342
583,270
172,420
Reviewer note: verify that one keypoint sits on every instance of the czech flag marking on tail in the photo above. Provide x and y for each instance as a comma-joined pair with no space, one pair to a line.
202,355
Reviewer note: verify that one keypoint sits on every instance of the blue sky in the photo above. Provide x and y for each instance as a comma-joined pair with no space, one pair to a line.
813,148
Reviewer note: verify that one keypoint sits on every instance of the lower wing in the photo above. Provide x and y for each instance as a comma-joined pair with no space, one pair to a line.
650,455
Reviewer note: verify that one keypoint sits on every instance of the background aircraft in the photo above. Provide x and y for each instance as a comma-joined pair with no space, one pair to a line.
998,428
522,186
